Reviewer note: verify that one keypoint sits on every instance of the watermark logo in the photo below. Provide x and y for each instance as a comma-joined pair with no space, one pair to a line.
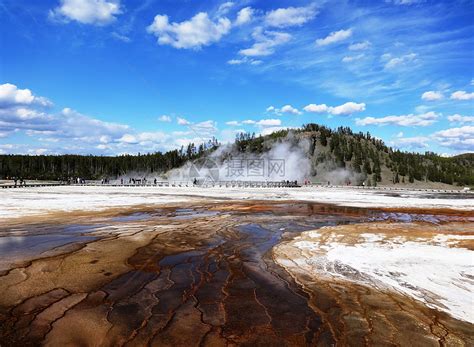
204,170
237,168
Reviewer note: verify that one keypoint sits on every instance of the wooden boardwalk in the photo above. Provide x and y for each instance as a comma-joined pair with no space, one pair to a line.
233,184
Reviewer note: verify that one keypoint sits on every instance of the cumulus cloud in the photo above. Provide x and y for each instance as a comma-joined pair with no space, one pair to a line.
457,138
11,96
69,131
462,95
359,46
314,108
97,12
199,31
165,118
348,108
290,16
457,118
244,16
335,36
289,109
344,109
399,61
432,96
73,124
285,109
421,120
265,43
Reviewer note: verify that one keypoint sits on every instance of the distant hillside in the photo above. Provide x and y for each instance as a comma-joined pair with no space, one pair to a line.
347,157
338,156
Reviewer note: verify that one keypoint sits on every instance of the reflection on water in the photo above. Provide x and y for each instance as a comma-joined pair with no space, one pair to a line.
205,276
22,244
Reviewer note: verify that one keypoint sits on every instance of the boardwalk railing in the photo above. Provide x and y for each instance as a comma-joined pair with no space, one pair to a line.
233,184
28,185
209,184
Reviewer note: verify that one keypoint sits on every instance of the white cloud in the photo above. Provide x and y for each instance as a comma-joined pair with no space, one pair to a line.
403,120
432,95
248,122
289,109
348,59
244,60
400,61
344,109
144,138
360,46
416,142
462,95
236,61
265,43
335,36
285,109
348,108
457,118
182,121
164,118
11,96
268,122
400,134
76,125
290,16
313,108
72,132
472,82
270,130
194,33
128,138
98,12
457,138
224,8
205,128
244,16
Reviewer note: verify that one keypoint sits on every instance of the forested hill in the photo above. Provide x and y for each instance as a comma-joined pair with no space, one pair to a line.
367,157
328,150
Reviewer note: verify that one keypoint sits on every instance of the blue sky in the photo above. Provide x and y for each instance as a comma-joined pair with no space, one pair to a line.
122,76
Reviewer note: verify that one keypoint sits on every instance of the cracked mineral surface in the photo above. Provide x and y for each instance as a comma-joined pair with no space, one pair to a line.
218,272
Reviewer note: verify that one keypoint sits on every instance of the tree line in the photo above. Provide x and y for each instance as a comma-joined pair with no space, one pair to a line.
61,167
357,151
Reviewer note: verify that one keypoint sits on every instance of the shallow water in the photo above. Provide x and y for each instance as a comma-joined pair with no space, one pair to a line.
197,275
